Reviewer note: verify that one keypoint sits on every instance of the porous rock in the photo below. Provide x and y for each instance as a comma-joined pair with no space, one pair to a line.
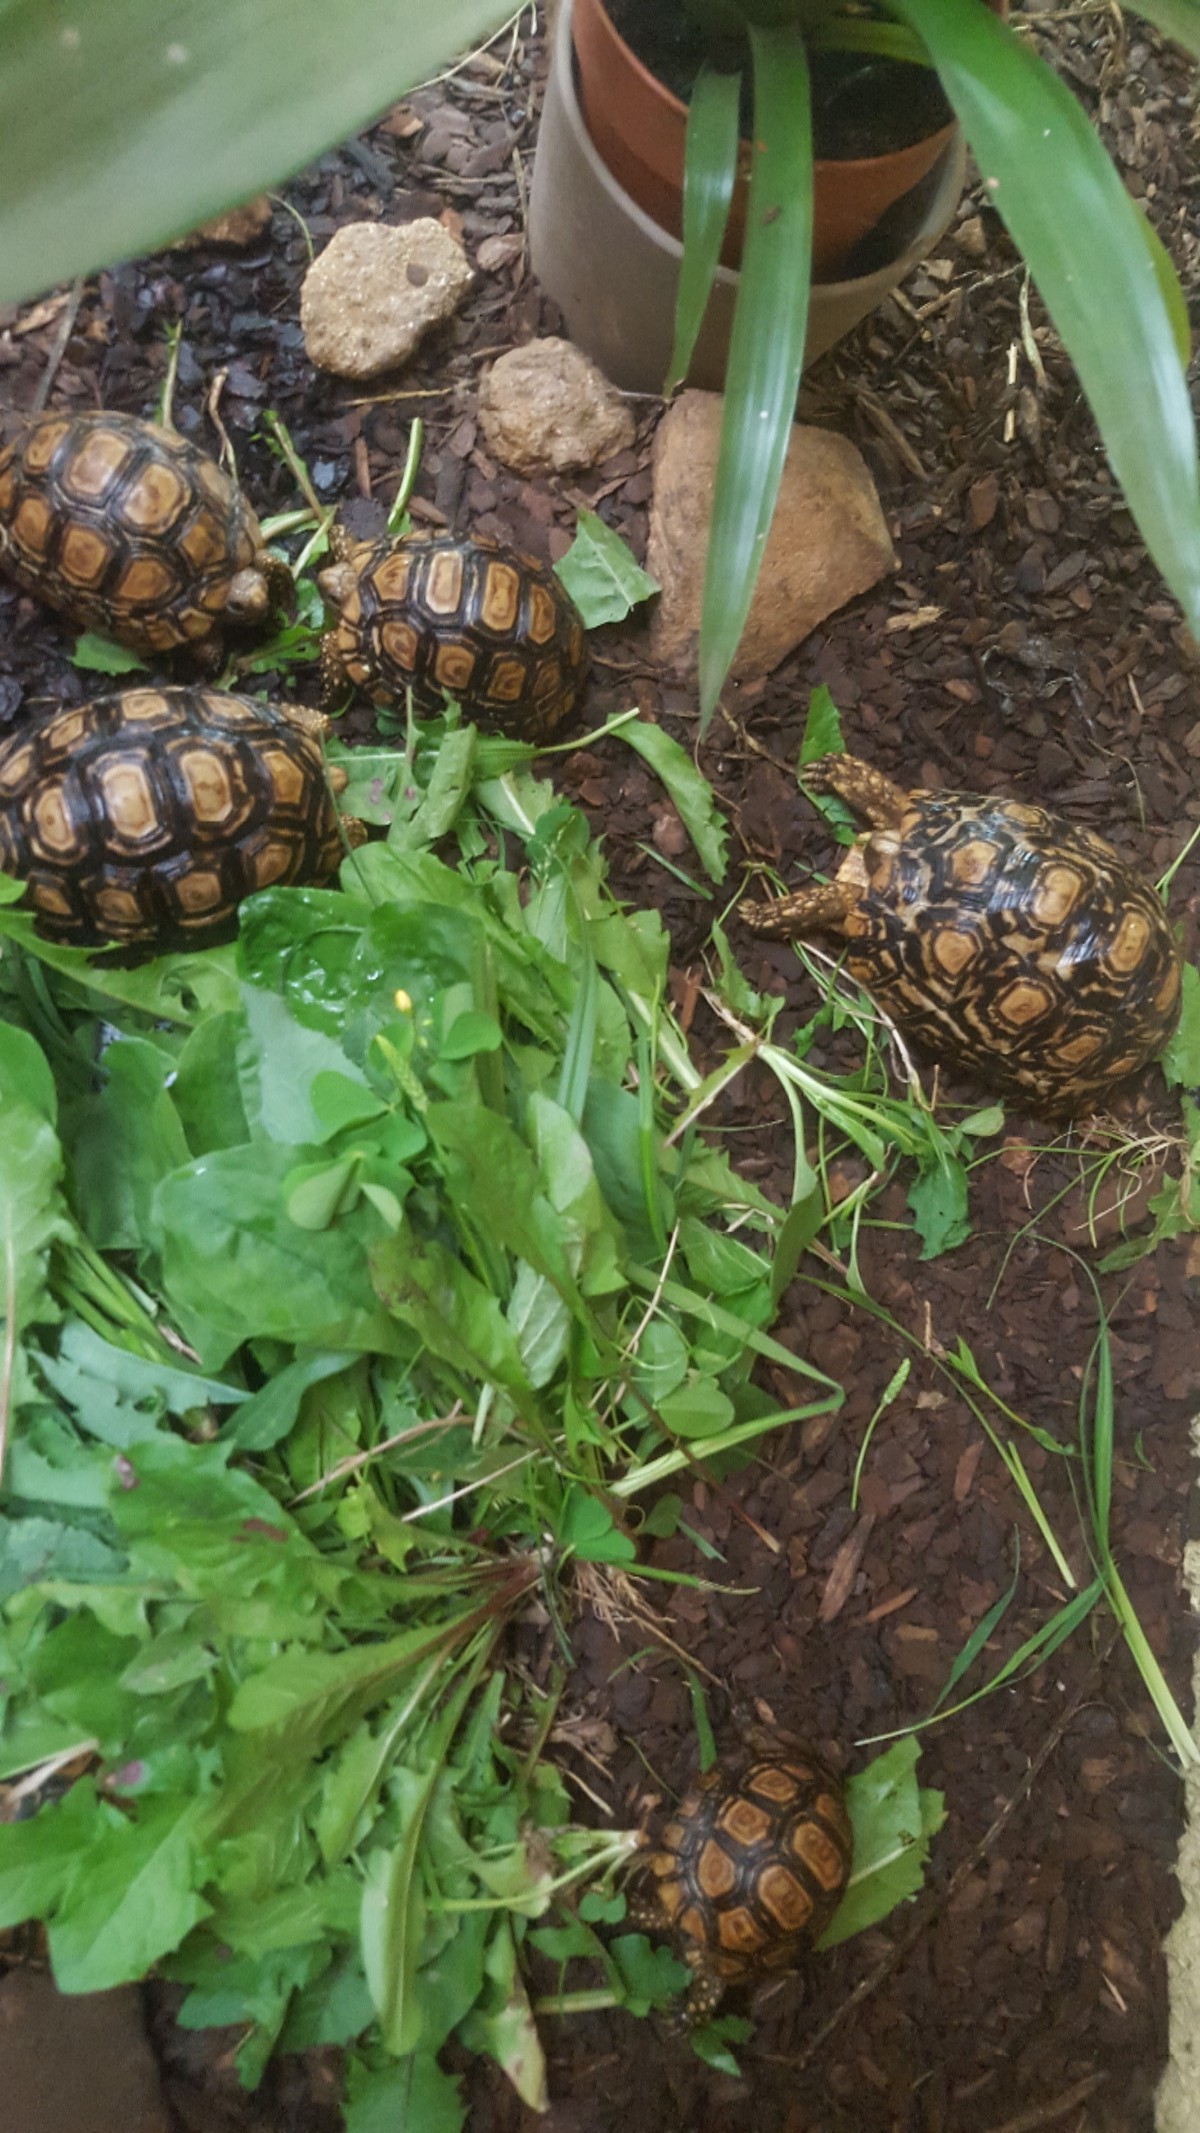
828,541
375,291
545,409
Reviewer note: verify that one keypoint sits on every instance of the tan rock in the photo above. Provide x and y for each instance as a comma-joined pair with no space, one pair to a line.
237,227
971,237
375,291
828,541
545,409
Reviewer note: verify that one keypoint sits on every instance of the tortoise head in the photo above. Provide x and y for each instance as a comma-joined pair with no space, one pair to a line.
262,588
349,555
248,598
337,583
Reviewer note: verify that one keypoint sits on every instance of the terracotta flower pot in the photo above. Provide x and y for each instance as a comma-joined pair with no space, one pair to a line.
614,272
639,128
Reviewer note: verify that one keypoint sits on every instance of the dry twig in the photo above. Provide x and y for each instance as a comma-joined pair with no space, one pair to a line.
66,327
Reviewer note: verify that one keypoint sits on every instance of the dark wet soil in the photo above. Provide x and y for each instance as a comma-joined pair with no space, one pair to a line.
1025,645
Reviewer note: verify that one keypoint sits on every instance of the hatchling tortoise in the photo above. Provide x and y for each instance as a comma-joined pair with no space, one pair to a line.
128,529
750,1870
997,935
443,616
146,816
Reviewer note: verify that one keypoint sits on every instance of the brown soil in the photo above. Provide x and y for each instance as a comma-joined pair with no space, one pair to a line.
1025,646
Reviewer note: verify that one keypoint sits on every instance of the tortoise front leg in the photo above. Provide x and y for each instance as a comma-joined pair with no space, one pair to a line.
334,678
706,1991
867,791
704,1996
821,908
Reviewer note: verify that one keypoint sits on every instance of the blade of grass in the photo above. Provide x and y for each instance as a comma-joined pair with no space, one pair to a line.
1096,1432
679,873
673,1462
766,351
962,1362
706,1747
1165,879
164,413
1028,1656
709,168
1157,1686
723,1321
981,1632
1029,1497
412,461
891,1391
581,1034
647,1136
1098,1467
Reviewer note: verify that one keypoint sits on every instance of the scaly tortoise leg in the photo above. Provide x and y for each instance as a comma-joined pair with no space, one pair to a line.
821,908
866,790
705,1993
281,586
334,679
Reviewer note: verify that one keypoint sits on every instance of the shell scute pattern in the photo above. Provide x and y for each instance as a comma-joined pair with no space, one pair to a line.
749,1872
127,528
467,618
998,935
1009,938
146,816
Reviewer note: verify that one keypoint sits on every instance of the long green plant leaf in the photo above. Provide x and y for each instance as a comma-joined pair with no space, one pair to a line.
710,166
125,122
766,349
1105,283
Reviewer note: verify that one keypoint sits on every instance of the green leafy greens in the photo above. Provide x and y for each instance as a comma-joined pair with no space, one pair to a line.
335,1327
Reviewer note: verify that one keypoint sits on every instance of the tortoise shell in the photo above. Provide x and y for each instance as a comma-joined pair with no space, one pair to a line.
751,1869
442,616
997,935
146,816
128,529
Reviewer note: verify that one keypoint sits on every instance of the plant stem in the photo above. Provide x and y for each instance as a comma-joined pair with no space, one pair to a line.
416,439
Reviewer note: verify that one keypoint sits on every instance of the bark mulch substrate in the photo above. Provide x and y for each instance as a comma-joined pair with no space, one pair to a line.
1025,645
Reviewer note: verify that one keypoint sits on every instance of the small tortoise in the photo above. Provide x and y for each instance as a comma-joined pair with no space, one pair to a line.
998,936
750,1870
128,529
146,816
444,616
